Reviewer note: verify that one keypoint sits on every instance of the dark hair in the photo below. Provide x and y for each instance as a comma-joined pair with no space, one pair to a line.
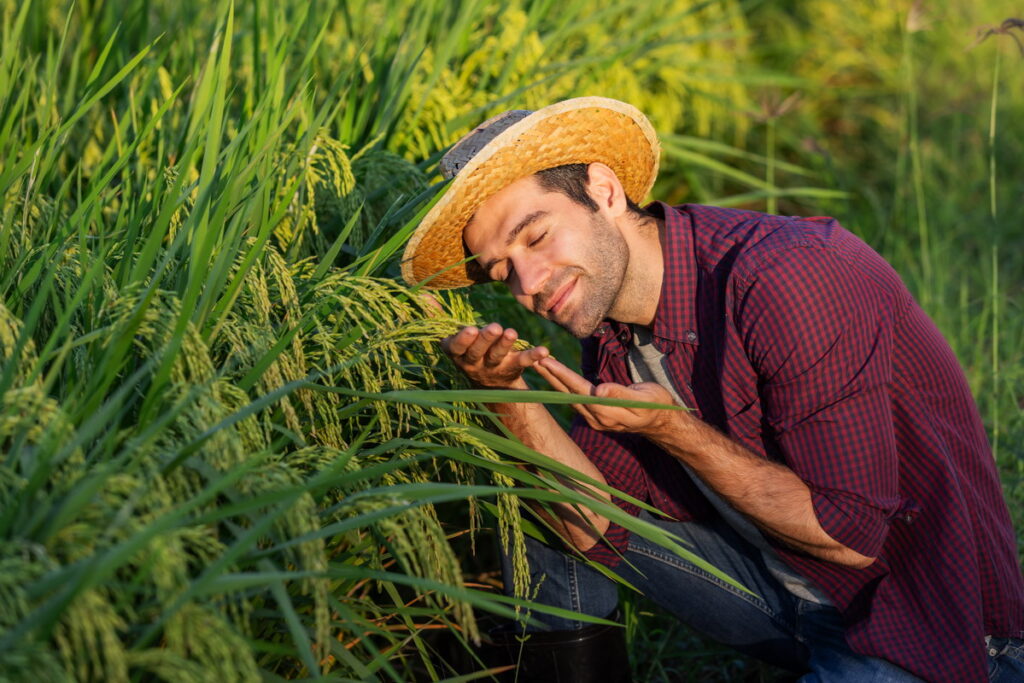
571,180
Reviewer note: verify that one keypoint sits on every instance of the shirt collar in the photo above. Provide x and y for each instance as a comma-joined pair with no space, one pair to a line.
676,316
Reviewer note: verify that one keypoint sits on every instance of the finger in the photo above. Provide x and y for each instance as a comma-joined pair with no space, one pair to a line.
488,335
615,419
647,392
584,409
612,390
434,306
460,341
500,348
552,379
529,357
586,414
574,382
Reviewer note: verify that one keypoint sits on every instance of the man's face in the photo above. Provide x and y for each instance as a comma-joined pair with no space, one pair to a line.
560,260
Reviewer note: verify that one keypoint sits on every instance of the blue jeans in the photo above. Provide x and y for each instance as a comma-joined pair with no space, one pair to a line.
774,626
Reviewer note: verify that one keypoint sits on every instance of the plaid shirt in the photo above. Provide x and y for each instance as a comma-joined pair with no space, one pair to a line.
802,344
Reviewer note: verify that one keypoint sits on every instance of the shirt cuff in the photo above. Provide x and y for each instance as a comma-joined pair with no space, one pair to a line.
609,550
848,520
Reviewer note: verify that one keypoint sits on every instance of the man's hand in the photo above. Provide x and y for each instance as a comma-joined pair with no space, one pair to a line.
650,422
771,494
487,357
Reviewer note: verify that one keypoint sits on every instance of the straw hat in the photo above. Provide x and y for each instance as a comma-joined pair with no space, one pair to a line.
517,144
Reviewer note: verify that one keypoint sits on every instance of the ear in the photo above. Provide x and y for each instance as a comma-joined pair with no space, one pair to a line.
605,188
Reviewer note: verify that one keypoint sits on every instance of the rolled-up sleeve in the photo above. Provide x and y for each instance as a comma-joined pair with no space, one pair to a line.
816,323
613,455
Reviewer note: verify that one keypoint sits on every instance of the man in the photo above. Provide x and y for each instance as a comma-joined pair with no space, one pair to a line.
832,459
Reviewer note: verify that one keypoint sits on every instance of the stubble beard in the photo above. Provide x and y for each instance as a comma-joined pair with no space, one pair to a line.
605,257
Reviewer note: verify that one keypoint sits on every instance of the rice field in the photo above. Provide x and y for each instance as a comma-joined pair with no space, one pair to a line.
230,447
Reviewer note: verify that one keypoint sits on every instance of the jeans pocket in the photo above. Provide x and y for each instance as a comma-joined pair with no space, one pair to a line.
1006,660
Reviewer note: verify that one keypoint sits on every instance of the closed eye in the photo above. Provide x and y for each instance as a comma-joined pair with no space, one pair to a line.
538,239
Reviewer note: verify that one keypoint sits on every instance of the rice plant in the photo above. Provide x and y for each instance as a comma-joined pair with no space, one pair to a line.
221,460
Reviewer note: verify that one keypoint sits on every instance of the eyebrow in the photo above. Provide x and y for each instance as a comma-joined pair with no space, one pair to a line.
514,232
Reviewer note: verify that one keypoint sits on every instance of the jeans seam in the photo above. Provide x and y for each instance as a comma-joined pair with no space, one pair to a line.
673,561
1013,651
574,592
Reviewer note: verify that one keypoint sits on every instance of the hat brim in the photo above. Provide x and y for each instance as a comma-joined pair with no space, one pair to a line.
578,131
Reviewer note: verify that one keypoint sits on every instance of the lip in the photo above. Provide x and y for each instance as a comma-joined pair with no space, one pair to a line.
561,297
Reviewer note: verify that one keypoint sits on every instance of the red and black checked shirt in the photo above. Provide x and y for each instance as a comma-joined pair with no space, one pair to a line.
801,343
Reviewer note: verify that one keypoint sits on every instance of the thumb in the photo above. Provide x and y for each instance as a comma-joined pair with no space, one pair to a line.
431,301
611,390
652,391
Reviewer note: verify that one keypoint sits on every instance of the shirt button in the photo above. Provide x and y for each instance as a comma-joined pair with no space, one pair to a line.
908,517
691,336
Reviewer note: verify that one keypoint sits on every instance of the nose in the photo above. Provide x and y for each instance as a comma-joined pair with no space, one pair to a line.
531,274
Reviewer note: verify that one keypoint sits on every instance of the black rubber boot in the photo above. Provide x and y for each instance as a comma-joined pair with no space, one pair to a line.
593,653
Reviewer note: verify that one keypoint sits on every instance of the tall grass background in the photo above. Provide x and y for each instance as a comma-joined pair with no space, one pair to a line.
230,446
